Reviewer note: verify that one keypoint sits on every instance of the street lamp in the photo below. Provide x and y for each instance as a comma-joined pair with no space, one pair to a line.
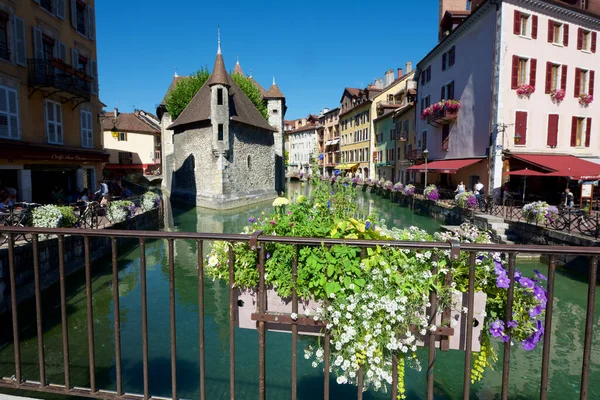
425,155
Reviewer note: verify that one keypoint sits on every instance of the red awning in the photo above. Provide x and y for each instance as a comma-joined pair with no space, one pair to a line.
445,166
564,166
526,172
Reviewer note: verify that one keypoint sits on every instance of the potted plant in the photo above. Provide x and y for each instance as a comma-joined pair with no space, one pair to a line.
431,193
585,99
539,212
525,90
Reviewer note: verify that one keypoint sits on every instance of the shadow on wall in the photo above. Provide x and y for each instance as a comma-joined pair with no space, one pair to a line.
183,180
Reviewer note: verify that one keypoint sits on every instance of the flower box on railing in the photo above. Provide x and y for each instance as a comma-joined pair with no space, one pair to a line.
442,112
246,306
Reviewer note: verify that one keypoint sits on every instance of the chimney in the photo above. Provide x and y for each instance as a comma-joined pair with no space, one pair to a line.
116,112
399,73
408,67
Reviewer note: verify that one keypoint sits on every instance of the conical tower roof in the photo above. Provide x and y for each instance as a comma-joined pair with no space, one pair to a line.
238,69
274,92
219,74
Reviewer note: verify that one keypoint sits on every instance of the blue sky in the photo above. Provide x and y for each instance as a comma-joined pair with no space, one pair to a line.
314,49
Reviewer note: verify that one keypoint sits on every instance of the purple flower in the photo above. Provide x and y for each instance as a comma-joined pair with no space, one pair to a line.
252,220
512,324
368,225
273,222
329,204
268,255
499,268
540,294
537,310
531,341
526,283
497,328
502,281
539,275
528,344
289,213
518,275
320,156
505,338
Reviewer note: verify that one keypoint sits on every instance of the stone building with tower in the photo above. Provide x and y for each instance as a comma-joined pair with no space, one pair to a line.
220,152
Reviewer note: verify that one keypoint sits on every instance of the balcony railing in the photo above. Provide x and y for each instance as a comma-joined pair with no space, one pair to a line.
442,116
414,155
58,75
24,376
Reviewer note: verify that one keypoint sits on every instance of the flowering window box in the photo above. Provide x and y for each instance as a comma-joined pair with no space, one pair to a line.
246,306
442,112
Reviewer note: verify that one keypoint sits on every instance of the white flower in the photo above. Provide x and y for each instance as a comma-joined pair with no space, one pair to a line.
294,316
465,310
341,380
332,295
314,364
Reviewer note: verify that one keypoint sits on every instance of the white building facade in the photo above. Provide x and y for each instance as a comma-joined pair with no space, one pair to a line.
303,149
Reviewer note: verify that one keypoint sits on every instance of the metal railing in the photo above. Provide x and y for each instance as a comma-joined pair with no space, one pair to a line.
54,73
256,243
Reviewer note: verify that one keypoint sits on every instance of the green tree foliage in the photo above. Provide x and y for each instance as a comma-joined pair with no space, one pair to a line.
187,88
184,91
252,92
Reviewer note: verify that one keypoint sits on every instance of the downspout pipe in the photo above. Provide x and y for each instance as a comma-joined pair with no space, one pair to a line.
494,112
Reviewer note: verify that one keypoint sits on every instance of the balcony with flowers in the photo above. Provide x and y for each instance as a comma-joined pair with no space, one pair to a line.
441,113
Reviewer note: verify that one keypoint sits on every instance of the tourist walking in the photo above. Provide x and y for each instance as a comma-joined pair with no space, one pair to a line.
479,193
567,198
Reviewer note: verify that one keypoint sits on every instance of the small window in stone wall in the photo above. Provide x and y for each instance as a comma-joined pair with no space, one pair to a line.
248,162
275,111
220,133
220,97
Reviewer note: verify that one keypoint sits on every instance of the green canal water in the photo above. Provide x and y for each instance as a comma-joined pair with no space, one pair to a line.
567,333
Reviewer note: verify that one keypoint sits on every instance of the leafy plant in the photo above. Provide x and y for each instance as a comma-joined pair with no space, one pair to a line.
120,210
150,200
69,219
252,92
48,216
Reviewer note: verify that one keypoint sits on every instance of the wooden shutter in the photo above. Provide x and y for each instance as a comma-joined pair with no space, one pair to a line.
517,23
565,35
591,79
594,37
82,128
521,126
20,43
515,72
577,90
563,78
59,125
532,71
548,76
13,113
74,13
90,129
94,84
550,31
91,19
574,132
38,46
4,129
579,38
552,130
50,125
588,132
60,9
534,26
423,77
444,61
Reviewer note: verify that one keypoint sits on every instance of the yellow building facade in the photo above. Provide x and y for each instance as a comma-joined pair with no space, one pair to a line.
50,133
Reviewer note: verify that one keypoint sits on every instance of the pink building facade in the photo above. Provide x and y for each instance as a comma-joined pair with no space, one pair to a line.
524,74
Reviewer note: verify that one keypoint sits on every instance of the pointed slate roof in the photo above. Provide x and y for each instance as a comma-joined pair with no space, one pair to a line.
174,82
238,69
241,108
274,93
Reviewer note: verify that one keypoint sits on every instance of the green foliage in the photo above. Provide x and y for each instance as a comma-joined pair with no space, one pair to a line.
187,88
68,217
184,91
252,92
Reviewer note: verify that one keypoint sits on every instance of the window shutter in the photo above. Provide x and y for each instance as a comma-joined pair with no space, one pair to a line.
574,132
532,71
565,35
443,97
95,76
74,58
588,132
521,126
550,31
62,52
50,127
60,9
91,31
534,26
74,14
577,82
58,115
423,77
517,23
20,44
594,37
591,88
444,62
4,129
90,130
515,72
548,76
579,38
451,94
37,43
552,130
13,111
82,128
563,78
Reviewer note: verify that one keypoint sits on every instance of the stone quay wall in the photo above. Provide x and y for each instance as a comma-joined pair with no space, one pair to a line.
100,247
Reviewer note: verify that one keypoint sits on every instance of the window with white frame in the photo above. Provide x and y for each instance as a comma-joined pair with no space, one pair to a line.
555,77
523,71
9,113
558,33
54,125
525,25
87,131
580,132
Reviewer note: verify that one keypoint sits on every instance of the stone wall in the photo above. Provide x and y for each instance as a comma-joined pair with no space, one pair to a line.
246,176
100,247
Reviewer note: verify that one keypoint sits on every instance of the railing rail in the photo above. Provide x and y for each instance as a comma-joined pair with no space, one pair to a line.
44,73
256,243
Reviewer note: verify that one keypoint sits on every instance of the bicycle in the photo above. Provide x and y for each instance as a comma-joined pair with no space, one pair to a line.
88,216
19,215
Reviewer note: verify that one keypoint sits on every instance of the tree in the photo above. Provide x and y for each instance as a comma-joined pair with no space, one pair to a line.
187,88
